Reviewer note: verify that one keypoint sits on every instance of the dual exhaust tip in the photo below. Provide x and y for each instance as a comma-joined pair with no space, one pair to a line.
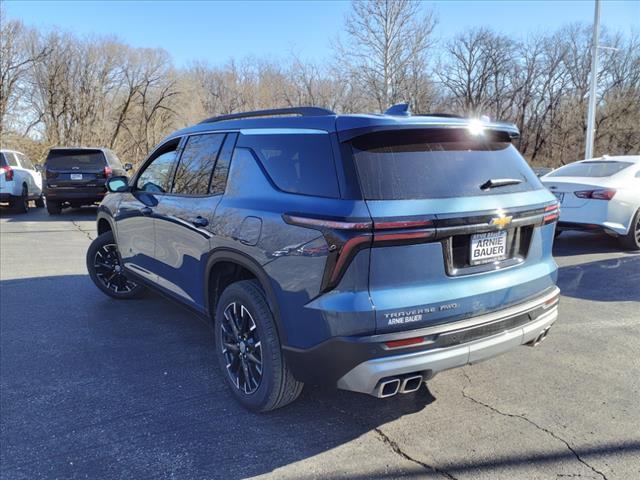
392,386
540,338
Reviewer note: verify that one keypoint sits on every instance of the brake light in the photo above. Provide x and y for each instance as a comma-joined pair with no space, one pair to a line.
107,172
551,213
346,237
8,173
603,194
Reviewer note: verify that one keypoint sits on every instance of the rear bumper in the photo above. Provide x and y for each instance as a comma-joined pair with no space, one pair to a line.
84,195
615,229
612,217
360,363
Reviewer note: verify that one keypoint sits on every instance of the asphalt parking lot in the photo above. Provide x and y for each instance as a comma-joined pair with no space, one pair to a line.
96,388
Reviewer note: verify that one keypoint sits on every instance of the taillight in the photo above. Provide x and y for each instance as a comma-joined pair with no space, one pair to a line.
551,213
50,174
346,237
603,194
107,172
8,173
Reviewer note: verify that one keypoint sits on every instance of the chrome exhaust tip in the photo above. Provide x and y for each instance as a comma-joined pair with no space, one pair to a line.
540,338
411,384
387,388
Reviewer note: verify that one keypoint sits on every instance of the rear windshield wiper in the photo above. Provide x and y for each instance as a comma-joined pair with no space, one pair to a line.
499,182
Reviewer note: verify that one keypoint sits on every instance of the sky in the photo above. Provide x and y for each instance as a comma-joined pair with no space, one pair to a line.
218,30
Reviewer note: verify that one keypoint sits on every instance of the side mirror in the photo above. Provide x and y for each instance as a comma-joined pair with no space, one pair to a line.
128,166
38,167
118,184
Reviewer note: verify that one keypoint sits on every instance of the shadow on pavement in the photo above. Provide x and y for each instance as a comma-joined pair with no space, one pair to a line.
99,387
578,243
508,463
611,280
41,215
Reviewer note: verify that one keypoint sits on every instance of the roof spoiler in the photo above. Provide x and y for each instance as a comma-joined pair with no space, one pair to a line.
302,111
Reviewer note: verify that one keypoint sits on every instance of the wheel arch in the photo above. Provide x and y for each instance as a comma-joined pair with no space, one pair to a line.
243,261
104,223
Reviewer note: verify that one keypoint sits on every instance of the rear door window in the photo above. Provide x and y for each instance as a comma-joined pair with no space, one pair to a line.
221,170
76,160
194,170
298,162
590,169
403,165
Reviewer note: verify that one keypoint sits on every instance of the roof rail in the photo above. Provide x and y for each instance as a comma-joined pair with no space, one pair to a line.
303,111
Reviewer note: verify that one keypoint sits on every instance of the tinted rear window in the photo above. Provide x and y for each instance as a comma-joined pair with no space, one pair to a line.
62,159
297,163
423,164
590,169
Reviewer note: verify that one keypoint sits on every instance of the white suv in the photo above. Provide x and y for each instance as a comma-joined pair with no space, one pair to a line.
20,182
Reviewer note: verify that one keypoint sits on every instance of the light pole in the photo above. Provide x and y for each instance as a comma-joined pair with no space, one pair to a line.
591,116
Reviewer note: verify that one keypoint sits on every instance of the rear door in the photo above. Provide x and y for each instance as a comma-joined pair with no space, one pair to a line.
32,176
184,218
135,228
446,245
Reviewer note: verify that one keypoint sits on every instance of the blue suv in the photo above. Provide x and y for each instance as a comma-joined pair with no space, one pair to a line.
367,252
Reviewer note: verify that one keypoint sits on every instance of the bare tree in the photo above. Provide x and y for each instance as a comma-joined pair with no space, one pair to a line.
15,62
386,47
62,89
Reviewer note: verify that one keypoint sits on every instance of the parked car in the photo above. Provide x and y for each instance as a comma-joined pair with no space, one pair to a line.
20,181
600,195
367,252
76,176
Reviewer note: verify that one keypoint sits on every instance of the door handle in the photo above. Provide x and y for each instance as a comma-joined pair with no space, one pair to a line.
146,211
200,221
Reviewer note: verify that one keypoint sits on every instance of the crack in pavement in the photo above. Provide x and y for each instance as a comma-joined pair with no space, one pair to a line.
531,422
388,441
79,228
396,448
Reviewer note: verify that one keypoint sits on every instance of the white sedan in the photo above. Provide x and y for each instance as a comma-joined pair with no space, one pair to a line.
600,194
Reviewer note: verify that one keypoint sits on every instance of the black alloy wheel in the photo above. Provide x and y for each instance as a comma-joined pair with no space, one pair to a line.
109,270
241,348
106,270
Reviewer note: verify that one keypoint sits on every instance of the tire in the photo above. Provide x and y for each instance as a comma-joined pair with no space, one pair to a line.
21,204
53,208
260,390
105,269
40,202
631,241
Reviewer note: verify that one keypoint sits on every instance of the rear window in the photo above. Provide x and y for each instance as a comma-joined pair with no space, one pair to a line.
590,169
61,159
9,158
297,163
430,164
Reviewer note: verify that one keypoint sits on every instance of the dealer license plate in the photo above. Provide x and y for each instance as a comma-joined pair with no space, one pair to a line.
488,247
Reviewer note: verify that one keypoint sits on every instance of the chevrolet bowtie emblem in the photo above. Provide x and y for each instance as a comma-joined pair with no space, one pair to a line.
500,221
